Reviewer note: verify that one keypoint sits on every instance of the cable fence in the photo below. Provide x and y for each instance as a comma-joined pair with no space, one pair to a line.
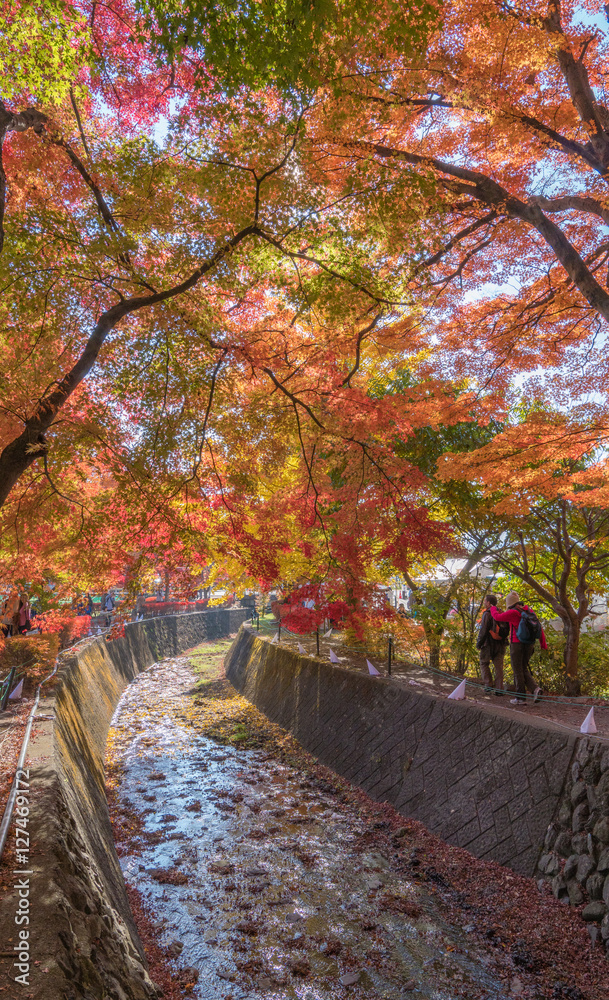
395,655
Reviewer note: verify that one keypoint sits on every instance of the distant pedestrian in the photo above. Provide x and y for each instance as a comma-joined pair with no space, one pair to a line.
525,629
491,644
10,614
23,624
108,606
6,619
411,604
402,611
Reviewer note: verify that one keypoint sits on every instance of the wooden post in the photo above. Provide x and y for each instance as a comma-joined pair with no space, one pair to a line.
9,684
389,651
317,639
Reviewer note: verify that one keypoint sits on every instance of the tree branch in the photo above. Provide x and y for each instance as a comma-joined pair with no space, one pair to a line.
79,123
19,454
580,203
294,399
212,388
582,95
300,255
360,337
496,197
461,235
102,205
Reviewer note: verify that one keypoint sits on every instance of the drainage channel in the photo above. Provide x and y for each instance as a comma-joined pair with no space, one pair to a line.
260,879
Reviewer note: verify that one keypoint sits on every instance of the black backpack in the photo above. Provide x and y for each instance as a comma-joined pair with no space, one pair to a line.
499,631
529,627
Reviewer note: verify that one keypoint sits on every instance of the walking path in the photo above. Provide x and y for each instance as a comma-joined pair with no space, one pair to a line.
561,713
12,728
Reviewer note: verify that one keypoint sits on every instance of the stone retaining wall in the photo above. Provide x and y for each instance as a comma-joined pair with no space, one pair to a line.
82,934
480,778
576,847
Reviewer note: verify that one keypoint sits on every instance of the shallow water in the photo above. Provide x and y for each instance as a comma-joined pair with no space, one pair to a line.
259,880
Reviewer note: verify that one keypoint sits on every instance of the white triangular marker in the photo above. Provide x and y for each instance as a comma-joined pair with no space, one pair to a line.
589,725
459,693
333,657
18,691
372,670
275,637
301,649
328,634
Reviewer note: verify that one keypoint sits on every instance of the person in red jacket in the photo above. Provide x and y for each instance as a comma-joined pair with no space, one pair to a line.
520,652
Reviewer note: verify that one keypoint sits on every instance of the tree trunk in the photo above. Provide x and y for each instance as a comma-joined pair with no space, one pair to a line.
434,652
166,598
31,444
434,632
572,631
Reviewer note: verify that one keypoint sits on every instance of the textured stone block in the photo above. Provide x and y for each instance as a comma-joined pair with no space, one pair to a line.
601,830
594,885
585,867
603,861
576,894
579,793
594,911
562,844
579,843
579,818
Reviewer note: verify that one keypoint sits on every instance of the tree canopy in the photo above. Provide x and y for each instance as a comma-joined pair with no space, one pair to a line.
309,291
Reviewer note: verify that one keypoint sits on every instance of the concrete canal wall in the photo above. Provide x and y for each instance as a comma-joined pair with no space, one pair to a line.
523,793
81,933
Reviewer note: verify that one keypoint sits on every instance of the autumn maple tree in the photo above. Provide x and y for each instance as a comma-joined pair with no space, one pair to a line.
561,552
503,124
104,222
503,119
228,230
545,480
150,283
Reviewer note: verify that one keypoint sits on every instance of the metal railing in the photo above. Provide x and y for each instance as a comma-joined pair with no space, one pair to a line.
10,804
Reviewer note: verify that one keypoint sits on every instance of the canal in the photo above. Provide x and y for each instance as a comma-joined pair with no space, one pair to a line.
263,876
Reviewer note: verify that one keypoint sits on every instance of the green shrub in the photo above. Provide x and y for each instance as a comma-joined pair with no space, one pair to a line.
593,669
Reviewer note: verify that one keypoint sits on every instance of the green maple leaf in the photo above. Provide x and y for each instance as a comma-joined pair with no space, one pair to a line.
42,47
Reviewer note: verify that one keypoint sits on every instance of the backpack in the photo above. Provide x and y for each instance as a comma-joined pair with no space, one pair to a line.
529,627
499,631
